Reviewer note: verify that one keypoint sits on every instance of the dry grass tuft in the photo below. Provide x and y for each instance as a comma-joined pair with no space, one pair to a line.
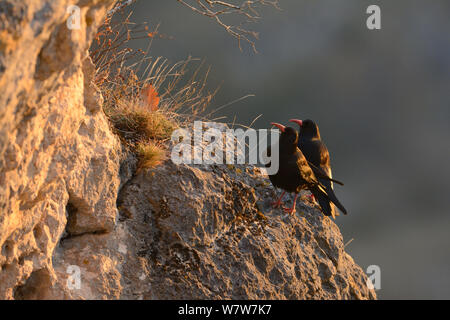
149,154
134,122
145,98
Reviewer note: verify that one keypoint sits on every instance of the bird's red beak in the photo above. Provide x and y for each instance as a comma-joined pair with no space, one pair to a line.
299,122
279,126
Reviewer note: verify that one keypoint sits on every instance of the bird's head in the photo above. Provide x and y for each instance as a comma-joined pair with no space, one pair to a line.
288,134
308,128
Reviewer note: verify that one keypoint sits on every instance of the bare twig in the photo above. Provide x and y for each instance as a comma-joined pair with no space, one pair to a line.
217,9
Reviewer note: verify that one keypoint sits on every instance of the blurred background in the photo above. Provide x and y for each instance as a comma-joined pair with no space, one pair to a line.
382,102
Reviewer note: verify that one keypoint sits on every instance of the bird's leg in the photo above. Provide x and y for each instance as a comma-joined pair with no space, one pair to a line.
291,210
278,202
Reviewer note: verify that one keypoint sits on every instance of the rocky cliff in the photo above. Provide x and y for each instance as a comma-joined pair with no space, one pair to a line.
71,200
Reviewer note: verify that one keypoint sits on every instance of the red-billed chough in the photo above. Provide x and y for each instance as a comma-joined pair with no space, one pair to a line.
318,157
294,173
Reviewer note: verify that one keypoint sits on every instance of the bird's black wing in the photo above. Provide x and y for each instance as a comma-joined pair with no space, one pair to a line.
321,190
306,173
323,153
320,173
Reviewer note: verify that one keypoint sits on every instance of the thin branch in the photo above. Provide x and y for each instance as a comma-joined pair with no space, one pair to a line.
216,10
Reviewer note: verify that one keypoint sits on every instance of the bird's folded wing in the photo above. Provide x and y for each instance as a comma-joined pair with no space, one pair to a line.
320,173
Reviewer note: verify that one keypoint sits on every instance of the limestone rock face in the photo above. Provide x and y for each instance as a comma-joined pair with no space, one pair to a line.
59,161
176,231
209,232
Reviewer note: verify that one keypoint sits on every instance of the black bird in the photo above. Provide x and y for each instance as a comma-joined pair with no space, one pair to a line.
294,173
316,152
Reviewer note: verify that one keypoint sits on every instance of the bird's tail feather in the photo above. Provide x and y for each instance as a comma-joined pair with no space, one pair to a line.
331,196
323,200
325,197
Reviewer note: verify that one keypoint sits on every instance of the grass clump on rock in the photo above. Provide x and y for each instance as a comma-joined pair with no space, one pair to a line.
145,98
